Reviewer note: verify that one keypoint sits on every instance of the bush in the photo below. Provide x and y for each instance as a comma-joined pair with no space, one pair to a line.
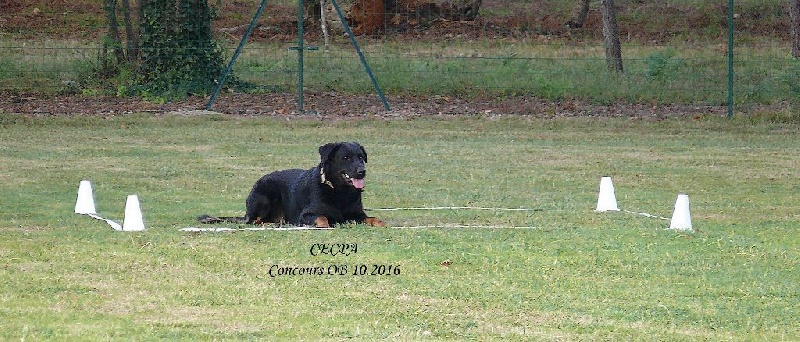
178,55
662,64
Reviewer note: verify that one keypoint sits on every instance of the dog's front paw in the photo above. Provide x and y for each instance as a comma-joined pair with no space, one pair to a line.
375,222
321,222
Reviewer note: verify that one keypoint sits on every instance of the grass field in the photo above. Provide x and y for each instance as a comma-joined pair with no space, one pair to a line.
684,73
673,53
575,275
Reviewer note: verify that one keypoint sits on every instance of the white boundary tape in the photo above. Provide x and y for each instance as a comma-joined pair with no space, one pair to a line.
451,208
443,226
223,230
497,209
646,215
458,226
227,230
114,225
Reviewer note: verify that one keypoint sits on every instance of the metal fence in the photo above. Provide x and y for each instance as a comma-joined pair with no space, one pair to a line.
514,48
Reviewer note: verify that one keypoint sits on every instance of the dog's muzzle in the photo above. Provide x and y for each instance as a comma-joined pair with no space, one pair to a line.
358,181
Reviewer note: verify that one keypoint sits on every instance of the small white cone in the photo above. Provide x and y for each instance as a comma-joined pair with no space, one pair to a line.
85,203
133,215
681,217
606,200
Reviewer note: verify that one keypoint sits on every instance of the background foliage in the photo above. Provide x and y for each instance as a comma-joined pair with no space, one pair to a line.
673,53
178,55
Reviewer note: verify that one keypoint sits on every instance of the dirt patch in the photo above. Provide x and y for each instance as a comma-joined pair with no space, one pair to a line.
509,20
330,105
639,21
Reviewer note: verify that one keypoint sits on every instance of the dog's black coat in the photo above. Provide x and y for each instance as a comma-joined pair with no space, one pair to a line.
322,196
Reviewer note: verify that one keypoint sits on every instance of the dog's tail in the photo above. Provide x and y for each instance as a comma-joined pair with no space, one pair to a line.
229,219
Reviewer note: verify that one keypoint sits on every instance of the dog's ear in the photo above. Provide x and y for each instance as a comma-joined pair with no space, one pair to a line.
363,151
326,151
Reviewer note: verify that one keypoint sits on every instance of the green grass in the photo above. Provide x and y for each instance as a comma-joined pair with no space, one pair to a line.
691,33
685,73
48,66
579,275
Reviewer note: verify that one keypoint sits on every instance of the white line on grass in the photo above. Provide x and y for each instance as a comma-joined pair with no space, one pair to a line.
224,229
114,225
443,226
227,230
451,208
646,215
463,227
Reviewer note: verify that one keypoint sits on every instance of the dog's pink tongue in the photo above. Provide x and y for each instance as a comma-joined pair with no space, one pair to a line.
358,183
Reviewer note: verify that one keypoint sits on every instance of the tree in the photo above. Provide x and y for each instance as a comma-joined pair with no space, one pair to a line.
112,40
461,9
579,15
172,53
611,35
794,14
374,16
130,37
610,30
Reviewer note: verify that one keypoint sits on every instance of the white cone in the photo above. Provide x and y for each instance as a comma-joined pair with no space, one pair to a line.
133,215
85,202
606,200
681,217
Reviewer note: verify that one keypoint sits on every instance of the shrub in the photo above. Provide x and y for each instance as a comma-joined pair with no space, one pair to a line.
177,54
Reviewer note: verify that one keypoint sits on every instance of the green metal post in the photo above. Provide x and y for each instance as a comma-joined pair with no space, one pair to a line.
300,50
730,58
228,69
360,55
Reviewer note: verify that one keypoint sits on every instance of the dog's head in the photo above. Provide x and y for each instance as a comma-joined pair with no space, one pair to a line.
343,164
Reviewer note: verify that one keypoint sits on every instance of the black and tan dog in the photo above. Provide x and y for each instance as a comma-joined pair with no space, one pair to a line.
321,197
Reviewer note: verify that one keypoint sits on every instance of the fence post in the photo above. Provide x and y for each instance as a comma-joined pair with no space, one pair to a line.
229,68
300,49
360,55
730,58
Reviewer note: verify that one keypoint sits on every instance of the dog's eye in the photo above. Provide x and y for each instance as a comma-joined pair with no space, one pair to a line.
347,158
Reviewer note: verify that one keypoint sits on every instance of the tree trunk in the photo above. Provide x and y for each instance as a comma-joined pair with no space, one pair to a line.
311,9
794,14
460,9
611,35
372,16
579,15
130,38
113,29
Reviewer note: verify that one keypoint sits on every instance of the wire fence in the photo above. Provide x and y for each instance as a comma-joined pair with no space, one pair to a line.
513,48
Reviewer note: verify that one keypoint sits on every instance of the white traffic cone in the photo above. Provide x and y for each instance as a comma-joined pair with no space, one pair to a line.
85,203
681,217
606,200
133,215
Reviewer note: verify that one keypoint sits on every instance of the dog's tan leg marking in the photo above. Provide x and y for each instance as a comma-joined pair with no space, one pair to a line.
375,222
321,222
